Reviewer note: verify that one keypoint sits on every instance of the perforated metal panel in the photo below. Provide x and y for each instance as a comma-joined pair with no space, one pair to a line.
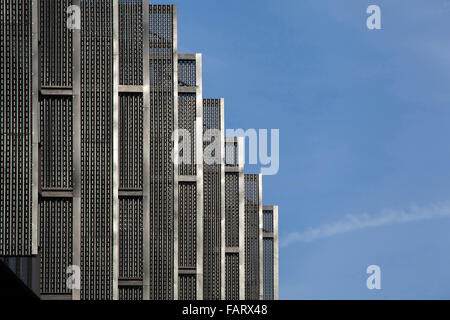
188,288
56,143
131,237
96,149
232,209
131,141
268,220
16,128
55,44
231,154
187,230
130,293
187,73
55,244
161,35
212,188
186,120
252,245
268,269
131,42
232,279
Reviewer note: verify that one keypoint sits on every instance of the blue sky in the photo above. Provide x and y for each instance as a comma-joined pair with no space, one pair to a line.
364,129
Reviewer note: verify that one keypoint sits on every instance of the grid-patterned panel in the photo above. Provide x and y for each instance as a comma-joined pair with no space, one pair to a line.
252,237
55,244
268,220
268,275
130,42
56,142
96,149
161,245
130,293
232,276
231,154
55,44
15,127
131,141
187,230
212,216
188,287
211,114
187,70
130,238
186,121
231,209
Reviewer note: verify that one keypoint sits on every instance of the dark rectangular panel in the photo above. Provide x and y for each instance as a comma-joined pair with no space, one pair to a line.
131,237
96,149
187,73
16,225
131,42
252,266
232,276
55,244
131,141
186,121
268,272
130,293
212,216
187,230
162,96
188,287
56,143
55,44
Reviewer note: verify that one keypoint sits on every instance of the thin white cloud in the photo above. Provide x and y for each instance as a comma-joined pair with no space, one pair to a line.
357,222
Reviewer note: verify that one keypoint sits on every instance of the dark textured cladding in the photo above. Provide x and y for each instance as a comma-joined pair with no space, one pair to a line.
130,293
131,141
131,237
231,209
187,73
188,288
55,244
56,143
161,36
267,220
186,121
55,44
252,237
96,149
268,274
232,276
16,127
212,216
130,42
187,230
231,154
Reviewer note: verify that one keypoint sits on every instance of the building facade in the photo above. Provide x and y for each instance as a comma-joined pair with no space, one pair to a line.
105,169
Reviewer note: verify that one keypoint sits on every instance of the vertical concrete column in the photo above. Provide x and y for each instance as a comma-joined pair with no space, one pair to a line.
76,155
275,254
146,152
36,129
222,198
176,151
241,156
261,253
116,151
199,164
